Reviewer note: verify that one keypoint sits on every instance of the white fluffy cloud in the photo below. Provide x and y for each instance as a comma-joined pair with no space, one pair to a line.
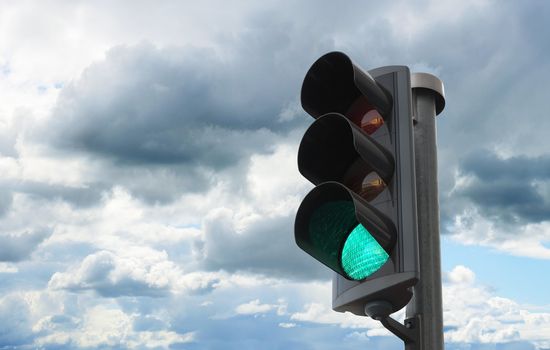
51,319
475,314
136,271
256,307
8,268
109,327
287,325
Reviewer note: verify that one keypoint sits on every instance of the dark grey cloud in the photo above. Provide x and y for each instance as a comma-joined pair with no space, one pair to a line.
148,111
509,190
176,116
153,185
145,105
17,247
487,166
80,197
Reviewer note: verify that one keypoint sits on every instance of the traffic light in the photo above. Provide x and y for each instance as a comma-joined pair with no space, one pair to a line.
360,219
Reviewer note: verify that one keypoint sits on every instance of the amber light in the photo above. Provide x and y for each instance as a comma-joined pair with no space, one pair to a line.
371,121
372,186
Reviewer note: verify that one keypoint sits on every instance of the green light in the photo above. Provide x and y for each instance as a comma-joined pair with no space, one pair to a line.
362,255
329,227
341,243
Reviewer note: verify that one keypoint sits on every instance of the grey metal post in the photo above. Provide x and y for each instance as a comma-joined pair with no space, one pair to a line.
428,100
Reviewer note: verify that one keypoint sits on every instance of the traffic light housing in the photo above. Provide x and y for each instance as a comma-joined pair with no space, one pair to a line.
360,219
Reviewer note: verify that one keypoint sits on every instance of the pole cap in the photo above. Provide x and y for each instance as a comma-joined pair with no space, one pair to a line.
432,83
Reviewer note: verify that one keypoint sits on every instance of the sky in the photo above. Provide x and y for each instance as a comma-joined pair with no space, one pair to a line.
148,177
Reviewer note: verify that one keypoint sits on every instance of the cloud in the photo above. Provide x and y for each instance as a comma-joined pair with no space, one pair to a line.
287,325
19,246
6,199
137,272
460,275
254,307
77,196
8,268
15,321
474,314
253,231
180,115
102,326
322,314
501,201
262,245
513,189
480,133
470,227
173,110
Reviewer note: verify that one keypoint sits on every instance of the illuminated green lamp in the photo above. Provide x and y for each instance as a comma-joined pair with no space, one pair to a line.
362,255
342,243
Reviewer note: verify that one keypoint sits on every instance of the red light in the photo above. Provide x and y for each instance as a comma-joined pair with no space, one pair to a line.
365,116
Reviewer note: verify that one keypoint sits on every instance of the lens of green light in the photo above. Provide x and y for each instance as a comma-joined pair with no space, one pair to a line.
362,255
329,226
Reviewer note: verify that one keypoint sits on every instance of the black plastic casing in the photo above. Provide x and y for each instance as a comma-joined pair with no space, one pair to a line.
332,85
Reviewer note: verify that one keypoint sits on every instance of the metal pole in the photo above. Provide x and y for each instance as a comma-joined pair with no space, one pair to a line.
428,101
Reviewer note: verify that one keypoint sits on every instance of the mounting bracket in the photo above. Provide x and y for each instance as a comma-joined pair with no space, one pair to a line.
409,332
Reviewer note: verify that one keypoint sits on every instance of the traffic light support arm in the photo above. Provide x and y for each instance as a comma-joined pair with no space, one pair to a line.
380,310
409,333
